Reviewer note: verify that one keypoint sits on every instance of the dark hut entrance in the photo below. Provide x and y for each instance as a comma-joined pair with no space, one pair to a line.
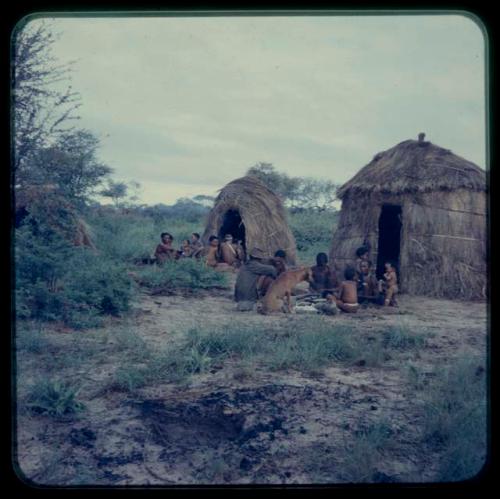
389,238
233,224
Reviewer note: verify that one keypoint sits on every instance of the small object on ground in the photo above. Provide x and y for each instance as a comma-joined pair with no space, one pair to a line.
306,309
245,306
327,308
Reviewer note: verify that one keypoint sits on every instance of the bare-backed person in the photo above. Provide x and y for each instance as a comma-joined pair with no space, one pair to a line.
246,290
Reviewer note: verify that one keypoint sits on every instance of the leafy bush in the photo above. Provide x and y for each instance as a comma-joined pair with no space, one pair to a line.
185,273
54,398
58,281
313,232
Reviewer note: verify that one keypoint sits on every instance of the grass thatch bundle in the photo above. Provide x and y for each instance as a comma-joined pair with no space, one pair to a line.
44,201
424,208
252,213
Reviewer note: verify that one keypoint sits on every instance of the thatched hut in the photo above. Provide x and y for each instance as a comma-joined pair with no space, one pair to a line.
252,213
423,207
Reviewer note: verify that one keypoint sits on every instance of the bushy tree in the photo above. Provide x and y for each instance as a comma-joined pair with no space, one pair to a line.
42,111
48,148
296,192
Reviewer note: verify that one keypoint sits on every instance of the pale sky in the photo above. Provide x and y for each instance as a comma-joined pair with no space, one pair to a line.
185,105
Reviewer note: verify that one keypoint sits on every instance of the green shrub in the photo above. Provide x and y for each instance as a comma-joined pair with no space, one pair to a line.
184,273
54,398
58,281
313,231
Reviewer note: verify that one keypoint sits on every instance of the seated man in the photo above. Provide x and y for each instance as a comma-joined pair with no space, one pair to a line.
228,252
324,277
164,251
196,246
347,299
248,287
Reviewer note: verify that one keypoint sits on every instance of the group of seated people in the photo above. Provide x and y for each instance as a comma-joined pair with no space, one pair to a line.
189,249
360,284
228,255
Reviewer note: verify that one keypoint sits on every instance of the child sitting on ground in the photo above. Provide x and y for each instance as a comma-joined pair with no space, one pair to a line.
362,256
347,299
185,250
391,284
367,283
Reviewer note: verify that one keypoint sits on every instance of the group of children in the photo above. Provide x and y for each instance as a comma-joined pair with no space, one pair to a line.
360,284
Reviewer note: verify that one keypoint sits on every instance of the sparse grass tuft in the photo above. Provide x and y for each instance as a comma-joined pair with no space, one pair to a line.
54,398
400,338
455,418
364,451
30,337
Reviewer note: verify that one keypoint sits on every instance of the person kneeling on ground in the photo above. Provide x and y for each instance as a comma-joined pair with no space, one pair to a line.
347,299
250,283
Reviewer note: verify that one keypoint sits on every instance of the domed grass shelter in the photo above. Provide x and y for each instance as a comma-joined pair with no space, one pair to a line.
249,211
424,208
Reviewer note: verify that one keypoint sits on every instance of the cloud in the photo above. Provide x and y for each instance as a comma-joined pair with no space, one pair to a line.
195,101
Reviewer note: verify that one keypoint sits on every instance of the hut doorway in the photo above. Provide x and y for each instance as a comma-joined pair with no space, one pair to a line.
233,224
389,237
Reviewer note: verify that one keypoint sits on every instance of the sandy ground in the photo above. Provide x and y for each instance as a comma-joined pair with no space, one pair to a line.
244,424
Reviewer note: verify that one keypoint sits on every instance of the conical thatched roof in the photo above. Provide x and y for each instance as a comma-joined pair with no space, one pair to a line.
261,212
415,166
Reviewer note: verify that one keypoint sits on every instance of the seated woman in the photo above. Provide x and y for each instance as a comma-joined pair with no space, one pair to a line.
164,251
324,277
229,252
212,255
